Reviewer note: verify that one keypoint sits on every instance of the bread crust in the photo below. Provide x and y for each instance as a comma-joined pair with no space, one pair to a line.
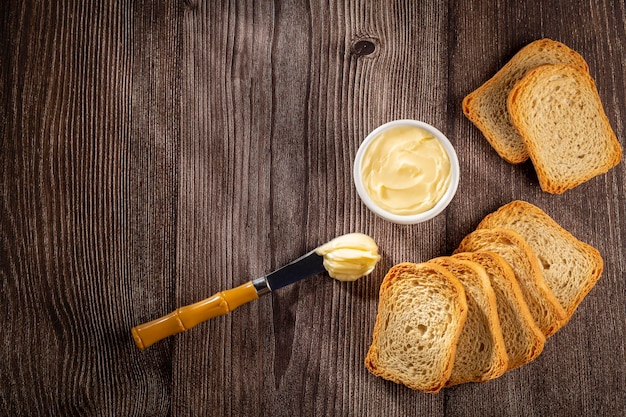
489,359
486,107
559,115
420,276
524,341
541,232
543,304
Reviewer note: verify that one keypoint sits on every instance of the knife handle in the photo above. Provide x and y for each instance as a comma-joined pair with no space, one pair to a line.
186,317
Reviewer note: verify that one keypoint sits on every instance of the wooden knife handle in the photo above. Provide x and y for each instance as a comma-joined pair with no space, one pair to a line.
185,318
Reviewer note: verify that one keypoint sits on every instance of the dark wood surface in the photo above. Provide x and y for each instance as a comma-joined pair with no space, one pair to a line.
154,153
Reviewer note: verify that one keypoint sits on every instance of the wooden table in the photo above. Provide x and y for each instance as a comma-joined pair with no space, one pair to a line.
154,153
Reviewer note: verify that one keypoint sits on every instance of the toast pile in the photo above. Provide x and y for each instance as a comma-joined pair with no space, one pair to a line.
543,104
485,310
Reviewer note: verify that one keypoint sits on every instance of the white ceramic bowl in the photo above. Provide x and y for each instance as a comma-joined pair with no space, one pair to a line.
413,218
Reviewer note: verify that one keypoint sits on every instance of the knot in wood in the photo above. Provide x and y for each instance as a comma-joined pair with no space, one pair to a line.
363,47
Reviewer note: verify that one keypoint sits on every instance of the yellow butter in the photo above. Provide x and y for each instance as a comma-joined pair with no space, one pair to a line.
349,257
406,170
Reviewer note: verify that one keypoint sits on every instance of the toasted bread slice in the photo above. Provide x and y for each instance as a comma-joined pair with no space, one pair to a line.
481,353
486,107
570,267
542,303
559,115
421,312
523,340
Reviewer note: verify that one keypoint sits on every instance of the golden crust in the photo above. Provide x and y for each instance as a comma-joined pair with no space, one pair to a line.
481,327
524,341
547,312
486,107
577,124
408,271
519,212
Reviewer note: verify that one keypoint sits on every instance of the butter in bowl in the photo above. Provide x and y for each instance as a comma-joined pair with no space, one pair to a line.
406,171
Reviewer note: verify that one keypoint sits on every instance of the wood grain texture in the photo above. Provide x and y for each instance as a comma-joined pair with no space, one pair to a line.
154,153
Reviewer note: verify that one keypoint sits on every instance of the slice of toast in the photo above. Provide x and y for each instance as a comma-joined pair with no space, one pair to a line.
481,353
523,340
570,267
559,115
421,312
486,107
542,303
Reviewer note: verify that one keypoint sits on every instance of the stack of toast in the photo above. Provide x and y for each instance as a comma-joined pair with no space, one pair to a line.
488,308
544,105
